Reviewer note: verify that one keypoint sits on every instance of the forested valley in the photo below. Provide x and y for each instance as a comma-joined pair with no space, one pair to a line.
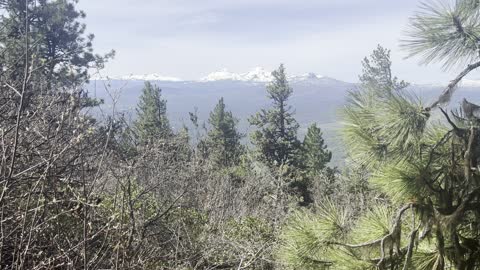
85,186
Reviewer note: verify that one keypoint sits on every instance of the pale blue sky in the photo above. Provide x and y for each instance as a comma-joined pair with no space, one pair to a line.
191,38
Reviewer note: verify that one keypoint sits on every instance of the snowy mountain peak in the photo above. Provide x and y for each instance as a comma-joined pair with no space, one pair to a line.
257,74
222,75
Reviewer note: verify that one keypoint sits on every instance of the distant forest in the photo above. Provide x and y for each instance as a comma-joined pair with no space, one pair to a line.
80,190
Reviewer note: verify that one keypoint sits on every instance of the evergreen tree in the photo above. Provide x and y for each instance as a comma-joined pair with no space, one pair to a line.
315,153
377,72
276,140
152,123
276,134
54,44
223,139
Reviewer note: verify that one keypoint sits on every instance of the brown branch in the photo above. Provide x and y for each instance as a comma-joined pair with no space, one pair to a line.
456,217
411,244
468,156
430,160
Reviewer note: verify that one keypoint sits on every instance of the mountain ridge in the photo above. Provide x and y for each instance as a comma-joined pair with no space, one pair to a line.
255,75
259,75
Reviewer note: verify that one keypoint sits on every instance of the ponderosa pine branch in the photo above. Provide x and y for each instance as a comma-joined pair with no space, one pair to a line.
455,127
396,227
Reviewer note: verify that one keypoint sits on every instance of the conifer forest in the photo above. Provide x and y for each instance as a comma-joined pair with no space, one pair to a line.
86,185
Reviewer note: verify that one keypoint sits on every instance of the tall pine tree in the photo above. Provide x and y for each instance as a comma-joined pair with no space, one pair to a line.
276,134
223,139
276,139
152,123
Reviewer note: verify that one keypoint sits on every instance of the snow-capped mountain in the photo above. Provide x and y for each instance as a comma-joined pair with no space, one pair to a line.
261,75
257,74
222,75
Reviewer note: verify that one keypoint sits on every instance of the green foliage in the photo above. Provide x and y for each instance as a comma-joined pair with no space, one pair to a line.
383,123
374,224
222,143
315,153
305,237
152,123
276,134
404,182
315,240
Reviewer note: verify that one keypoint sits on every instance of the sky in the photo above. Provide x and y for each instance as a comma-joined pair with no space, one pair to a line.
192,38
